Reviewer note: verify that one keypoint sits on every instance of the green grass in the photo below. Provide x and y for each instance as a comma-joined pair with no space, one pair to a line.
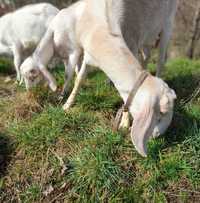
80,159
6,66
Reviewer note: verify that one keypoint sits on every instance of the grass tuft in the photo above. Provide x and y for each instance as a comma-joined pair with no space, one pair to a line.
6,66
94,171
41,131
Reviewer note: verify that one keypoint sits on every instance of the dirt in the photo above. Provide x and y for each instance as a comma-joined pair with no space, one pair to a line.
16,104
7,89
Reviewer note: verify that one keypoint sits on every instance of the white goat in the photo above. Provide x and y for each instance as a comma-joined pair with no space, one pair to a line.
21,30
60,39
141,22
152,106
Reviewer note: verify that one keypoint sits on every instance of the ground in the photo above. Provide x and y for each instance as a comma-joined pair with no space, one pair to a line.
47,155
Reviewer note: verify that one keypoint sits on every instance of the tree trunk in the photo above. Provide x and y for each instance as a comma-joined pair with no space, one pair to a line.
195,34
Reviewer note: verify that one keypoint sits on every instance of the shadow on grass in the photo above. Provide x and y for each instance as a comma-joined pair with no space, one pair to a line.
184,85
187,111
181,126
186,117
6,66
6,149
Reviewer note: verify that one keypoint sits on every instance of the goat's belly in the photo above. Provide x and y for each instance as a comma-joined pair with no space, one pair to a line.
64,45
29,45
61,50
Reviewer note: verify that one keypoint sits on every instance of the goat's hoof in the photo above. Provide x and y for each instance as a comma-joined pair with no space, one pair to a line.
66,107
21,82
18,78
16,82
60,97
8,79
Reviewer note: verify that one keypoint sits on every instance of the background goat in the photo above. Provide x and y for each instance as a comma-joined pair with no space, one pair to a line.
59,39
21,30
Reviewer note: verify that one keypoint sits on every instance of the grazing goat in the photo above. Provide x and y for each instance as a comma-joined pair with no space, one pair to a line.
141,22
21,30
60,39
152,105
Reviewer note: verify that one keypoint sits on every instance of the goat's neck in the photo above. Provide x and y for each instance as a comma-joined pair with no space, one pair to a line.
45,50
124,82
116,60
123,76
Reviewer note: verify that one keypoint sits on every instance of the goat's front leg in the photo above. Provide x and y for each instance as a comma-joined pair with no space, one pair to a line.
78,82
17,59
69,72
78,66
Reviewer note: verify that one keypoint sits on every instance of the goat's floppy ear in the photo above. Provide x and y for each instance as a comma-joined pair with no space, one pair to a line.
142,128
48,76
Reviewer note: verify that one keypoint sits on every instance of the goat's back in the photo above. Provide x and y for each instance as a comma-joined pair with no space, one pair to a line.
28,24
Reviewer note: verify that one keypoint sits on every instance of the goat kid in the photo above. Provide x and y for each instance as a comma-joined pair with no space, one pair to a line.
59,39
21,30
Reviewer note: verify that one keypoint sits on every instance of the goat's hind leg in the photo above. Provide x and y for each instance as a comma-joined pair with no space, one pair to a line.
163,46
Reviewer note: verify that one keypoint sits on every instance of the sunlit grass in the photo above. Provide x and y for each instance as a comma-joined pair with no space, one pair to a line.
77,154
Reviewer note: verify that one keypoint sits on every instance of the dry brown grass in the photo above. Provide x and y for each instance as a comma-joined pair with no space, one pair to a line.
24,106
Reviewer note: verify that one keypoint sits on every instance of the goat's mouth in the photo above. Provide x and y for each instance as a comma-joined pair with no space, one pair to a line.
163,124
32,83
